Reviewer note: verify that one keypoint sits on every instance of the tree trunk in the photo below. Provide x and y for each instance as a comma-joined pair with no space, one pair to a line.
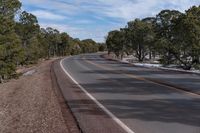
150,56
122,55
1,79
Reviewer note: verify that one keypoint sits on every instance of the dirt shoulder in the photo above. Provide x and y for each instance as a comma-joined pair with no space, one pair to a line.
33,103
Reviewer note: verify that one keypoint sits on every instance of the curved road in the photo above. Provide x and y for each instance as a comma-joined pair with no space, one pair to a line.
136,101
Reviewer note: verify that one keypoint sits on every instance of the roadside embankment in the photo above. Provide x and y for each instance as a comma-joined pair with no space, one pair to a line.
32,103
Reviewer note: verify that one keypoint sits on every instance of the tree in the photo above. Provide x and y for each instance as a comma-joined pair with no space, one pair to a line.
10,49
23,42
62,47
140,34
115,42
186,38
173,35
75,47
102,47
150,37
28,29
53,39
8,8
89,46
164,34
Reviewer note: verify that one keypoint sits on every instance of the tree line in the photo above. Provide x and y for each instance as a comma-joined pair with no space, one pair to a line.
171,35
23,41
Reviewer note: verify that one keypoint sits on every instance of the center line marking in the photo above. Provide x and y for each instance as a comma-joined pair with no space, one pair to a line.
113,117
144,79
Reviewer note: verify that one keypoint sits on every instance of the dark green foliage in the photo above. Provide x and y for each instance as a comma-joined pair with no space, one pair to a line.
102,47
164,27
88,46
171,35
186,41
10,49
28,29
8,8
23,42
140,35
115,41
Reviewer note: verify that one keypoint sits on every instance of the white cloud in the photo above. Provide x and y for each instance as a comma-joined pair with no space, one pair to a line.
77,16
96,34
53,5
84,21
131,9
42,14
124,9
63,28
127,9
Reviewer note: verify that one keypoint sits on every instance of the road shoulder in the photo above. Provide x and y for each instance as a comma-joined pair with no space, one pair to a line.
32,103
90,117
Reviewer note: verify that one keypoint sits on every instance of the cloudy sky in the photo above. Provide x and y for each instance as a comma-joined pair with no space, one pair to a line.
94,18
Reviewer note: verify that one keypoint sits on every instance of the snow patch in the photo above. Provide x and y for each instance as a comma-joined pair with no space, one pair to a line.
147,65
31,72
160,66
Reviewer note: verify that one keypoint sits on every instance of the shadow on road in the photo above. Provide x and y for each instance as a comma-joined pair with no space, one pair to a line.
164,110
161,105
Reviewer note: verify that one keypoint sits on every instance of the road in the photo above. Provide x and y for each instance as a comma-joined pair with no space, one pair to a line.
113,97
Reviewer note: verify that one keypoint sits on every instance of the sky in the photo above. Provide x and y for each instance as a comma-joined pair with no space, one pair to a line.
95,18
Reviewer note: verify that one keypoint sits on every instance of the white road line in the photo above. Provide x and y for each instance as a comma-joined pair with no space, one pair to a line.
118,121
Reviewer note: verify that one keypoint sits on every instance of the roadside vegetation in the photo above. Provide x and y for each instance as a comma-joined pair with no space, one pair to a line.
171,37
23,41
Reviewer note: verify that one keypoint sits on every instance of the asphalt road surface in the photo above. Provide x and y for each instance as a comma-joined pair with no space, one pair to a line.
120,98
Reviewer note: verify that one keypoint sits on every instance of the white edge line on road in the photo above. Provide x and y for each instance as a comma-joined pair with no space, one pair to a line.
113,117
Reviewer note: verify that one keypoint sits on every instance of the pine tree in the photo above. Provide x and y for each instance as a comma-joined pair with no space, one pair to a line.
10,50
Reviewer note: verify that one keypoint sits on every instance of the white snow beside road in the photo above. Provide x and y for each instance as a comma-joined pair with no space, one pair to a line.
160,66
31,72
147,65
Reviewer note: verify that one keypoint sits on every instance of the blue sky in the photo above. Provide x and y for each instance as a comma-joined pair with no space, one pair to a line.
95,18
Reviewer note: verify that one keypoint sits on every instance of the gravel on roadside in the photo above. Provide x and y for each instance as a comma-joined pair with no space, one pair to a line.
31,104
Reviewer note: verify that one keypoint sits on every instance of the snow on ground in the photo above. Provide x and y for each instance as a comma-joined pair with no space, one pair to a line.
148,65
160,66
31,72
